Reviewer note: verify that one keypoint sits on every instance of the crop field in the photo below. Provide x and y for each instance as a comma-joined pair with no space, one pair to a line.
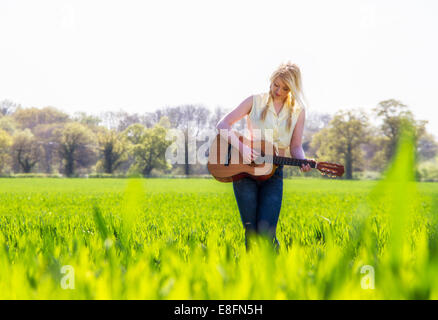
183,239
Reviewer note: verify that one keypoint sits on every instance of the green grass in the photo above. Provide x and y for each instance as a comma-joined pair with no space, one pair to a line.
183,239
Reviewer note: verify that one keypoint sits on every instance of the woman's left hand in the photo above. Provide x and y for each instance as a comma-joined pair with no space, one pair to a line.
305,168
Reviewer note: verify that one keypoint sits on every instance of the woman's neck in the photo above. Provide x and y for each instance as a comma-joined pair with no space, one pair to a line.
278,100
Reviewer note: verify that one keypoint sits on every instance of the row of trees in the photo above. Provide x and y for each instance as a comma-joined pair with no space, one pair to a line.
48,140
351,138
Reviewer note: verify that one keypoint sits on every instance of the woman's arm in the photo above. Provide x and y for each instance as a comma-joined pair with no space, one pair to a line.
229,119
296,145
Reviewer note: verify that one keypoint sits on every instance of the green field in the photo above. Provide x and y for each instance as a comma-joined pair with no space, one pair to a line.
183,239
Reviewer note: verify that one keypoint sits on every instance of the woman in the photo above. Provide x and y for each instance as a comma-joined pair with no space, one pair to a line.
282,111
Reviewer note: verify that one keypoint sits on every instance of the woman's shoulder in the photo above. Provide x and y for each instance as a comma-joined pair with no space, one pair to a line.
260,99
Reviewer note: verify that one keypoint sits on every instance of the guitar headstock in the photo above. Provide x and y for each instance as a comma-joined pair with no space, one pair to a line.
332,170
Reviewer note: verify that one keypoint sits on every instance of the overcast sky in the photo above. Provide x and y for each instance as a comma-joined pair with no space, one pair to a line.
139,56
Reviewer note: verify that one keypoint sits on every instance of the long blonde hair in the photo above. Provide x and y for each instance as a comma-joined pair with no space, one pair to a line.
291,75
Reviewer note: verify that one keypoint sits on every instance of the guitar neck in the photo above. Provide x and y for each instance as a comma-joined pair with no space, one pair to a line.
289,161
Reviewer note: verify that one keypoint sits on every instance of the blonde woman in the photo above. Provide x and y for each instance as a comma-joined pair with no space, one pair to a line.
281,110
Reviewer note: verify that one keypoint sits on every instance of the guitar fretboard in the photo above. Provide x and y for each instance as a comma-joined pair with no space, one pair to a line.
288,161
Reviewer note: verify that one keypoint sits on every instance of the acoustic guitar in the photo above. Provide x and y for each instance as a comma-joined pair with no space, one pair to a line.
225,162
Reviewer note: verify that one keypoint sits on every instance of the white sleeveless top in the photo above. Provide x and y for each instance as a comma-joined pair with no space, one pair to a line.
281,136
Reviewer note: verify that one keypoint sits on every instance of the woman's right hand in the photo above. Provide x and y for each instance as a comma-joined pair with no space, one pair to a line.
249,154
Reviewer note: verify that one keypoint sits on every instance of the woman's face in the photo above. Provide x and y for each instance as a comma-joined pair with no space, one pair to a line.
279,89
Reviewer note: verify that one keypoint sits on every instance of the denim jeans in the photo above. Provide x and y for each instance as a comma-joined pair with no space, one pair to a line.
259,204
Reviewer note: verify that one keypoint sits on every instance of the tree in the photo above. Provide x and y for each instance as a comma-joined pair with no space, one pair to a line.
427,147
113,148
5,143
135,133
315,122
26,150
8,107
374,154
86,119
394,116
342,139
76,147
150,119
8,124
48,137
216,116
127,119
109,119
148,146
121,120
193,118
31,117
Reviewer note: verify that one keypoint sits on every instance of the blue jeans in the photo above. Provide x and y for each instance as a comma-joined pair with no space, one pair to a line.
259,204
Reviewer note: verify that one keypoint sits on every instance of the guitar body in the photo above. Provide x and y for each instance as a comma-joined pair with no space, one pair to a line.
225,162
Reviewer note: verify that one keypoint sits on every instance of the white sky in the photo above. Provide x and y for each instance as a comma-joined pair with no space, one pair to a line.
138,56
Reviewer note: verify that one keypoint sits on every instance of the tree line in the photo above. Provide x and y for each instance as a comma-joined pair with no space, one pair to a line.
48,140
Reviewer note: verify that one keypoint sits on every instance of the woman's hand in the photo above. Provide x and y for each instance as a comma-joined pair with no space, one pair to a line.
306,168
249,154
